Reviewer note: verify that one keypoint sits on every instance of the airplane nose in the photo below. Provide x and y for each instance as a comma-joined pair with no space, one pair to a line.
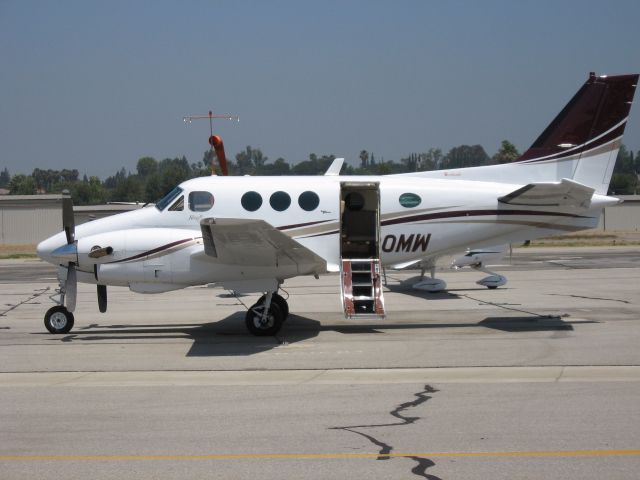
46,247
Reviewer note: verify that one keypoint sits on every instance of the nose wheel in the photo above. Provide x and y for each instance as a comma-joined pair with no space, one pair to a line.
58,320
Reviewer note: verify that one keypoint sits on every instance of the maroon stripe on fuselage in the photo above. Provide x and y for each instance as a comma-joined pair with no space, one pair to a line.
475,213
461,213
299,225
154,250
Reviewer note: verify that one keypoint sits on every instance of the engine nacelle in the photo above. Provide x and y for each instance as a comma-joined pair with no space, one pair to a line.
492,281
477,257
432,285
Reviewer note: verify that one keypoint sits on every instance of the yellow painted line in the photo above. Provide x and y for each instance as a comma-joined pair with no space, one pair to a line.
324,456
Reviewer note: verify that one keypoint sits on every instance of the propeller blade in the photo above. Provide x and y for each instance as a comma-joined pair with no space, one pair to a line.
71,288
68,221
102,298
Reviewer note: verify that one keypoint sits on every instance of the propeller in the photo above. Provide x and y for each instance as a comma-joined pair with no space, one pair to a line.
69,252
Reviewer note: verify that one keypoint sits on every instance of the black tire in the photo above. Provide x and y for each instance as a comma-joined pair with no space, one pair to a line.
282,303
253,320
58,320
492,287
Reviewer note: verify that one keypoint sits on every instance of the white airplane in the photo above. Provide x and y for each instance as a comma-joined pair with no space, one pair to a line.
251,234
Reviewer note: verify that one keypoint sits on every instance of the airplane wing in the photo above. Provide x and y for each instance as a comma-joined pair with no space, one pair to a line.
565,193
255,243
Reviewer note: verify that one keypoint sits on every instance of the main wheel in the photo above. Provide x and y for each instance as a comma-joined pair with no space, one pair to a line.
270,325
282,303
58,319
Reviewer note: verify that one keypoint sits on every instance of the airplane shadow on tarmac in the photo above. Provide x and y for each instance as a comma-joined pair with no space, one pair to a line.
229,337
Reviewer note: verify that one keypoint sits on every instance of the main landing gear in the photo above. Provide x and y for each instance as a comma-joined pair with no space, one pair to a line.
266,316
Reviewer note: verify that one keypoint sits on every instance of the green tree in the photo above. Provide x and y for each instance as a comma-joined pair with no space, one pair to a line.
88,192
364,159
5,178
147,166
22,185
508,153
249,161
279,167
314,166
624,161
466,156
129,189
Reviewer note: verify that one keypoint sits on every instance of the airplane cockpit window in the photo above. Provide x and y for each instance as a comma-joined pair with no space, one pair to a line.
308,201
168,198
178,205
280,201
200,201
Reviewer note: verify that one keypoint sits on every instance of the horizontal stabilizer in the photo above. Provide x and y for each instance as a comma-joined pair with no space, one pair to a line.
255,243
565,193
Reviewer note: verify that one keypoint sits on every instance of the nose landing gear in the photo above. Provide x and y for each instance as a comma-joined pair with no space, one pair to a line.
58,319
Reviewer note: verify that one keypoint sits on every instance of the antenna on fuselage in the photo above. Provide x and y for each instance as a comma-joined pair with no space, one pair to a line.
215,141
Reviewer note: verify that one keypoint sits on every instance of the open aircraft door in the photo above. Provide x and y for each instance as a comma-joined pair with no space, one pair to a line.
360,269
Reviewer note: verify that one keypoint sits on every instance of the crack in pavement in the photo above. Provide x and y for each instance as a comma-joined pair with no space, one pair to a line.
32,297
385,449
590,298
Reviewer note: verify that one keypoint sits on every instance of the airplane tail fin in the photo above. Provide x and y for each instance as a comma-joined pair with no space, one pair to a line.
586,135
580,144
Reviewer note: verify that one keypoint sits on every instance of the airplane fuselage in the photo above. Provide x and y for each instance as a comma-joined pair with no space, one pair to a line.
157,249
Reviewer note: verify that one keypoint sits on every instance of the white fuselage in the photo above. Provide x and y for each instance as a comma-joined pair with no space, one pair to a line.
156,250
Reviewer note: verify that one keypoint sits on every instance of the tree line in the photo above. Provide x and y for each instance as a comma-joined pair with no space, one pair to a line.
153,178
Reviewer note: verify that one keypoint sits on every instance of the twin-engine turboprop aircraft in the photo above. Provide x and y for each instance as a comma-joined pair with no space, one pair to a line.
250,234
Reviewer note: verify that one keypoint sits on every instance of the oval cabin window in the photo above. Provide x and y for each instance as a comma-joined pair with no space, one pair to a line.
308,201
251,201
280,201
410,200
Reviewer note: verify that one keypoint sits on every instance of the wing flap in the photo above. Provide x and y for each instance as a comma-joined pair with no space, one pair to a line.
565,193
255,243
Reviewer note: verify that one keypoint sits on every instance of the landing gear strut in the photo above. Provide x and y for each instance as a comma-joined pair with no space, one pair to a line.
493,281
265,317
431,284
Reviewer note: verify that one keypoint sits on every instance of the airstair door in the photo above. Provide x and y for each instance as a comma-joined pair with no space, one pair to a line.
360,250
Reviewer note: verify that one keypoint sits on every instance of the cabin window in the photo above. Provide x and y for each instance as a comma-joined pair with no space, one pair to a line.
409,200
308,201
168,198
200,201
178,205
280,201
251,201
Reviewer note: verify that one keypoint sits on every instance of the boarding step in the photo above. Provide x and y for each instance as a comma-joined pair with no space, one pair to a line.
362,288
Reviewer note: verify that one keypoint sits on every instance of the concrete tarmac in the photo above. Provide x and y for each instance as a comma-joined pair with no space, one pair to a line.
537,379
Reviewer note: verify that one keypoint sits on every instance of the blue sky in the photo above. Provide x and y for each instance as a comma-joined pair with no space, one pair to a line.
97,85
